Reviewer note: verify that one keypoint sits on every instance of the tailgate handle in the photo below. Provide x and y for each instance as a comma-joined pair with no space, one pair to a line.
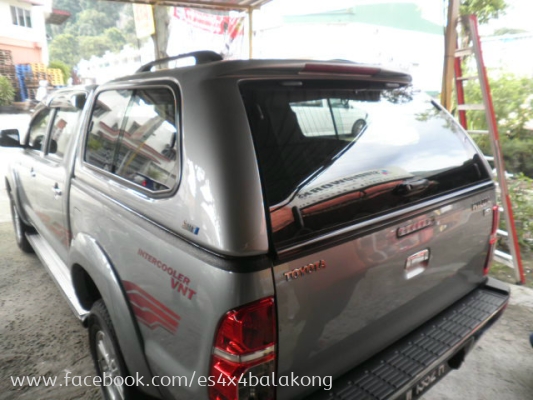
416,264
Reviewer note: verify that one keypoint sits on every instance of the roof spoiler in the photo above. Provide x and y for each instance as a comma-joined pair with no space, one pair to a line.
201,57
349,68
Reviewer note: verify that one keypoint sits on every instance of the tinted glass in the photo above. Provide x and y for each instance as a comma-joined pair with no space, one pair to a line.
37,131
329,117
65,122
147,152
104,128
329,157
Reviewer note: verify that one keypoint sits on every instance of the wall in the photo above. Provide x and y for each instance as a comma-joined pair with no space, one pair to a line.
110,65
27,44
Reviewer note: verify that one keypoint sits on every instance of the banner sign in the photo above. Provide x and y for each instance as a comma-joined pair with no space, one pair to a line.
196,30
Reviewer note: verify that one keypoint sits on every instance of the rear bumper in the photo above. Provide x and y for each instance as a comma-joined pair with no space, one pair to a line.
407,369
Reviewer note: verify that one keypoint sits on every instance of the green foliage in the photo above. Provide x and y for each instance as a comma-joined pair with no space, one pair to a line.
7,93
93,46
484,9
508,31
63,67
90,23
65,48
520,190
512,98
93,28
115,39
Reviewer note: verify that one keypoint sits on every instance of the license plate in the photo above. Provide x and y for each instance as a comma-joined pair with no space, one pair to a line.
427,381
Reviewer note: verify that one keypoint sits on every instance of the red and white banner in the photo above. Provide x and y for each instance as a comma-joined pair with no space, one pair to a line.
192,30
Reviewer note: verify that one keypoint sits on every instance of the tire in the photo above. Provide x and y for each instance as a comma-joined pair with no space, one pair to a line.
20,229
107,356
358,127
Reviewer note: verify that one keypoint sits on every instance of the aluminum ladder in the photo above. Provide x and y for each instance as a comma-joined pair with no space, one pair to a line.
473,47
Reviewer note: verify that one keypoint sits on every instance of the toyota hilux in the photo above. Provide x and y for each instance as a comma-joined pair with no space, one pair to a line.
261,229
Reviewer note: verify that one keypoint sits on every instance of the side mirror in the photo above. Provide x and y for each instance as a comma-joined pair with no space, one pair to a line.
10,138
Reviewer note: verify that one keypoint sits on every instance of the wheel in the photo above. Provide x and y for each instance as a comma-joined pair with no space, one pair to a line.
358,126
20,230
107,356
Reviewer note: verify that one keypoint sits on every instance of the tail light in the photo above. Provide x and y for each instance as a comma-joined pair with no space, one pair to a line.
244,348
493,238
324,68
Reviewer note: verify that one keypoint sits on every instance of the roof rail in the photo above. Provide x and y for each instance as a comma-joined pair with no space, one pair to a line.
202,57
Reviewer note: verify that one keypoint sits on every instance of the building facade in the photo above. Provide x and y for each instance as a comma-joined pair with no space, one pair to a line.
22,29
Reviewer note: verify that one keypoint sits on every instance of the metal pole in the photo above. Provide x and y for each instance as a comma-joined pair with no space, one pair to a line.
250,32
450,42
155,37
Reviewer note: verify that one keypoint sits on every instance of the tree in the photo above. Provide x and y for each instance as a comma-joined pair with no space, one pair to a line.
162,16
512,98
93,28
485,10
115,38
65,48
91,23
7,93
94,46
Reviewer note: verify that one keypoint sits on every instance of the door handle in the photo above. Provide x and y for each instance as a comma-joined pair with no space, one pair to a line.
416,264
32,172
57,191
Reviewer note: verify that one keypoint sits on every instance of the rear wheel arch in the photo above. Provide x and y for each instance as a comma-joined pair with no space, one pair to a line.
86,290
95,279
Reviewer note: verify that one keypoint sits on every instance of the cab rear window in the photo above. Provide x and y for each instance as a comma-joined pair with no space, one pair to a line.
330,155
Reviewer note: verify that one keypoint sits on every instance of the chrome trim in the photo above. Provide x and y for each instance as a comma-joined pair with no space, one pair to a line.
386,217
245,358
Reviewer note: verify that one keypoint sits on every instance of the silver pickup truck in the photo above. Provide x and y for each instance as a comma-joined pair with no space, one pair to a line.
215,249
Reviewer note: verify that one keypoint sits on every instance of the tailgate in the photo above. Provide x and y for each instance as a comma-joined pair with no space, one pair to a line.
338,307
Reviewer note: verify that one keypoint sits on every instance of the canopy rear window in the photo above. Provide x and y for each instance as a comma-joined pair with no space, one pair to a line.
331,155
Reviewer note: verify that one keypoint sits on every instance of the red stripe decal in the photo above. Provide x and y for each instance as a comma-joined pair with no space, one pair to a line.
149,311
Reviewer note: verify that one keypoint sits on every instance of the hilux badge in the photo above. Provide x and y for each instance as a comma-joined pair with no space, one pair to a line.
415,227
481,204
305,270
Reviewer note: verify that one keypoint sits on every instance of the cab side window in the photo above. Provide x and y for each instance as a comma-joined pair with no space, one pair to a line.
104,128
134,134
65,122
37,132
147,150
